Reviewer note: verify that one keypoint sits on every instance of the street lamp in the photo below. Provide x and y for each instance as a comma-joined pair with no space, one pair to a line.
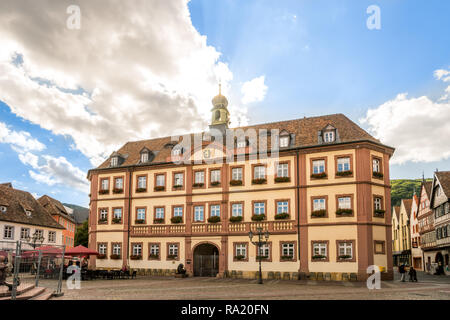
37,238
260,241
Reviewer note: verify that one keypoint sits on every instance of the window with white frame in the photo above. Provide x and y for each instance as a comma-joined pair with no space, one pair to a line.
51,236
264,250
39,233
176,151
215,210
260,172
282,206
154,249
376,165
343,164
236,210
215,175
142,182
160,180
241,250
328,136
105,184
199,212
173,250
8,233
137,249
118,183
287,250
114,161
259,208
118,213
344,203
320,249
102,248
200,177
346,249
282,170
24,233
103,214
141,214
318,166
159,213
144,157
241,144
178,179
178,211
319,204
284,141
117,248
236,174
377,203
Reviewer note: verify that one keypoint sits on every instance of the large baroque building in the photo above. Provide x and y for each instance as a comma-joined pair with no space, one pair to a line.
325,202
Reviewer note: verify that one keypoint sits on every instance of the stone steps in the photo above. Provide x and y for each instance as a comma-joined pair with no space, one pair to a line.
27,292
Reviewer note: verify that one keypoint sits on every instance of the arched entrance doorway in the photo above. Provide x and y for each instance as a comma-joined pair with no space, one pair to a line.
206,260
440,263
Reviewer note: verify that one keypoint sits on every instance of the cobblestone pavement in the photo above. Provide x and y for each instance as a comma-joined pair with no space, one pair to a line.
428,287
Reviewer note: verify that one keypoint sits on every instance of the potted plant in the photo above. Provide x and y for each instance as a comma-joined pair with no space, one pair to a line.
287,258
198,185
103,191
153,256
262,257
215,183
379,213
258,217
259,181
321,175
136,257
139,190
235,182
101,256
158,220
344,212
235,218
178,186
281,216
319,213
159,188
171,257
103,220
239,257
176,219
116,190
117,220
377,174
344,173
139,221
115,256
319,257
345,257
214,219
282,179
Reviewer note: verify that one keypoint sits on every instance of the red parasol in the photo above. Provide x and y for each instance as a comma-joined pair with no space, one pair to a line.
81,251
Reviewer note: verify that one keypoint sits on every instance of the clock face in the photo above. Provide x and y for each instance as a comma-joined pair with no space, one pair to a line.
207,154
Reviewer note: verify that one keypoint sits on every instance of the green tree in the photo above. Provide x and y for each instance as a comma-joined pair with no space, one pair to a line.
82,235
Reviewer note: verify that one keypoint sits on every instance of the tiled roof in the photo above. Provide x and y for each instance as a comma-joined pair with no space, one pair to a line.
427,185
407,203
54,207
303,131
17,201
397,212
444,180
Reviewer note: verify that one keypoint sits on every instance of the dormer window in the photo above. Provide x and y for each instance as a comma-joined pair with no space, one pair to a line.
28,212
144,157
328,136
114,161
177,151
3,209
284,141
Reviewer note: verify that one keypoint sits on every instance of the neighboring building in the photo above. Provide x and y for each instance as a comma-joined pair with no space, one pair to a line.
59,213
396,252
440,205
325,202
404,232
22,217
416,251
426,224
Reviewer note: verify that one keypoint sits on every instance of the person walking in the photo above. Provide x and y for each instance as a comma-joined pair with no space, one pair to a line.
402,271
412,274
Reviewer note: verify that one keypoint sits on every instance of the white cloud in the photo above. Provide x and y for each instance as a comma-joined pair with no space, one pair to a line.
20,141
442,74
29,159
254,90
417,127
60,171
145,70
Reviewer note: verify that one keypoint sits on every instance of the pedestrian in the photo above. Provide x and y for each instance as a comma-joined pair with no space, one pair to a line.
412,274
402,271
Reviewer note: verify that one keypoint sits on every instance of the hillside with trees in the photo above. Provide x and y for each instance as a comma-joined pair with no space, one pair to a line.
404,189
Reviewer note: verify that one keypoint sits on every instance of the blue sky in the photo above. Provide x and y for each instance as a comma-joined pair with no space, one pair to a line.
317,57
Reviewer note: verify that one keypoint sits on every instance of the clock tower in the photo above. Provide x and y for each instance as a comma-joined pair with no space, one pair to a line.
220,115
